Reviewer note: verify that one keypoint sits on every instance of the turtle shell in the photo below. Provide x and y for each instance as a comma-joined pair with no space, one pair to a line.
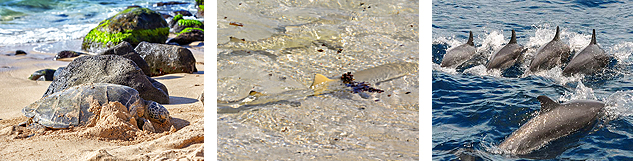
70,107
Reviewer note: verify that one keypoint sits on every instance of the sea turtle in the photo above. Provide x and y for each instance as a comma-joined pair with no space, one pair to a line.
71,107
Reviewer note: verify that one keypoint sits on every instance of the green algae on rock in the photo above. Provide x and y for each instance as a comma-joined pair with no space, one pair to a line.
186,23
189,29
188,36
132,25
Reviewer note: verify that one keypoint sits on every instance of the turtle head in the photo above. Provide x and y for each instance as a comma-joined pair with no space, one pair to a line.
156,112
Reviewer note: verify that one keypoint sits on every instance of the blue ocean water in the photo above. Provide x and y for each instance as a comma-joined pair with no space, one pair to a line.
474,110
40,21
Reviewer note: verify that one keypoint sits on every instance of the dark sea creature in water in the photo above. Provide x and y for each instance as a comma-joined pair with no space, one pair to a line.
323,84
358,87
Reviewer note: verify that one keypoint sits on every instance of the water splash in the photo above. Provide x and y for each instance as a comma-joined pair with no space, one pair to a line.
619,104
492,43
556,74
437,67
577,41
581,93
622,52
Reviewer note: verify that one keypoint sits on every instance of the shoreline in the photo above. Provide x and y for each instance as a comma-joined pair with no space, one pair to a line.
186,110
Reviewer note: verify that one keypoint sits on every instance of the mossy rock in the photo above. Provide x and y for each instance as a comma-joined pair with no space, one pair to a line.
174,20
186,23
132,25
190,29
188,36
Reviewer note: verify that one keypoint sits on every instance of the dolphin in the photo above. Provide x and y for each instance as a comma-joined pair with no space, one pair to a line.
460,54
553,122
554,53
508,55
320,85
589,60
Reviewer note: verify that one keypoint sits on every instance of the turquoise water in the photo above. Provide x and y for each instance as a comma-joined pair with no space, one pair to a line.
39,21
285,44
474,110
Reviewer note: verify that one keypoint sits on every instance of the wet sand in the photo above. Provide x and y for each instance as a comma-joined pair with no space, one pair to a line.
184,140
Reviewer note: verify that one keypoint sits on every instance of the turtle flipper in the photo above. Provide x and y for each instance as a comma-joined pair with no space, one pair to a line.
147,125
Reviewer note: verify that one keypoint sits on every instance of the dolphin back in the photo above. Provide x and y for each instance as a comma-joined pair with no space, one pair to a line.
589,61
385,72
460,54
553,54
554,121
507,56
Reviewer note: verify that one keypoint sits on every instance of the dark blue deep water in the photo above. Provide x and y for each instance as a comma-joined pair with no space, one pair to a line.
474,110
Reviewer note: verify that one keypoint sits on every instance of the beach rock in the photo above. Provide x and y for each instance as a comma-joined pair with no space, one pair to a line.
166,59
186,23
182,12
97,105
47,73
157,84
133,6
112,69
166,16
20,52
126,50
174,20
202,97
169,3
187,36
67,54
133,25
57,72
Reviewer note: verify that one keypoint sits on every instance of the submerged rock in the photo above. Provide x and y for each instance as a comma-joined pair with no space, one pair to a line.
20,52
112,69
67,54
169,3
188,36
133,25
47,73
182,12
126,50
166,59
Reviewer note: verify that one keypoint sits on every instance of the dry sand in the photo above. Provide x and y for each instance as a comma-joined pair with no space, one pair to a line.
113,135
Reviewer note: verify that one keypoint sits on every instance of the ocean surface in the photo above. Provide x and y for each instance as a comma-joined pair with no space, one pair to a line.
273,47
474,110
50,26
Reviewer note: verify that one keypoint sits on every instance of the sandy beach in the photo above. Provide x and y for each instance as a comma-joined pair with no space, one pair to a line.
184,140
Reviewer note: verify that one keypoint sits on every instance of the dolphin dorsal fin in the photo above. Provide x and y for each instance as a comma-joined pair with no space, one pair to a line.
470,39
593,37
513,40
547,104
557,36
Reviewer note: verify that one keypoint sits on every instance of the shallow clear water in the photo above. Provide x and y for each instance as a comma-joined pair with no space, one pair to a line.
38,21
285,44
474,110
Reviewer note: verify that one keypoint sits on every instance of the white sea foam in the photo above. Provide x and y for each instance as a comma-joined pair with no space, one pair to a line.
61,33
581,93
